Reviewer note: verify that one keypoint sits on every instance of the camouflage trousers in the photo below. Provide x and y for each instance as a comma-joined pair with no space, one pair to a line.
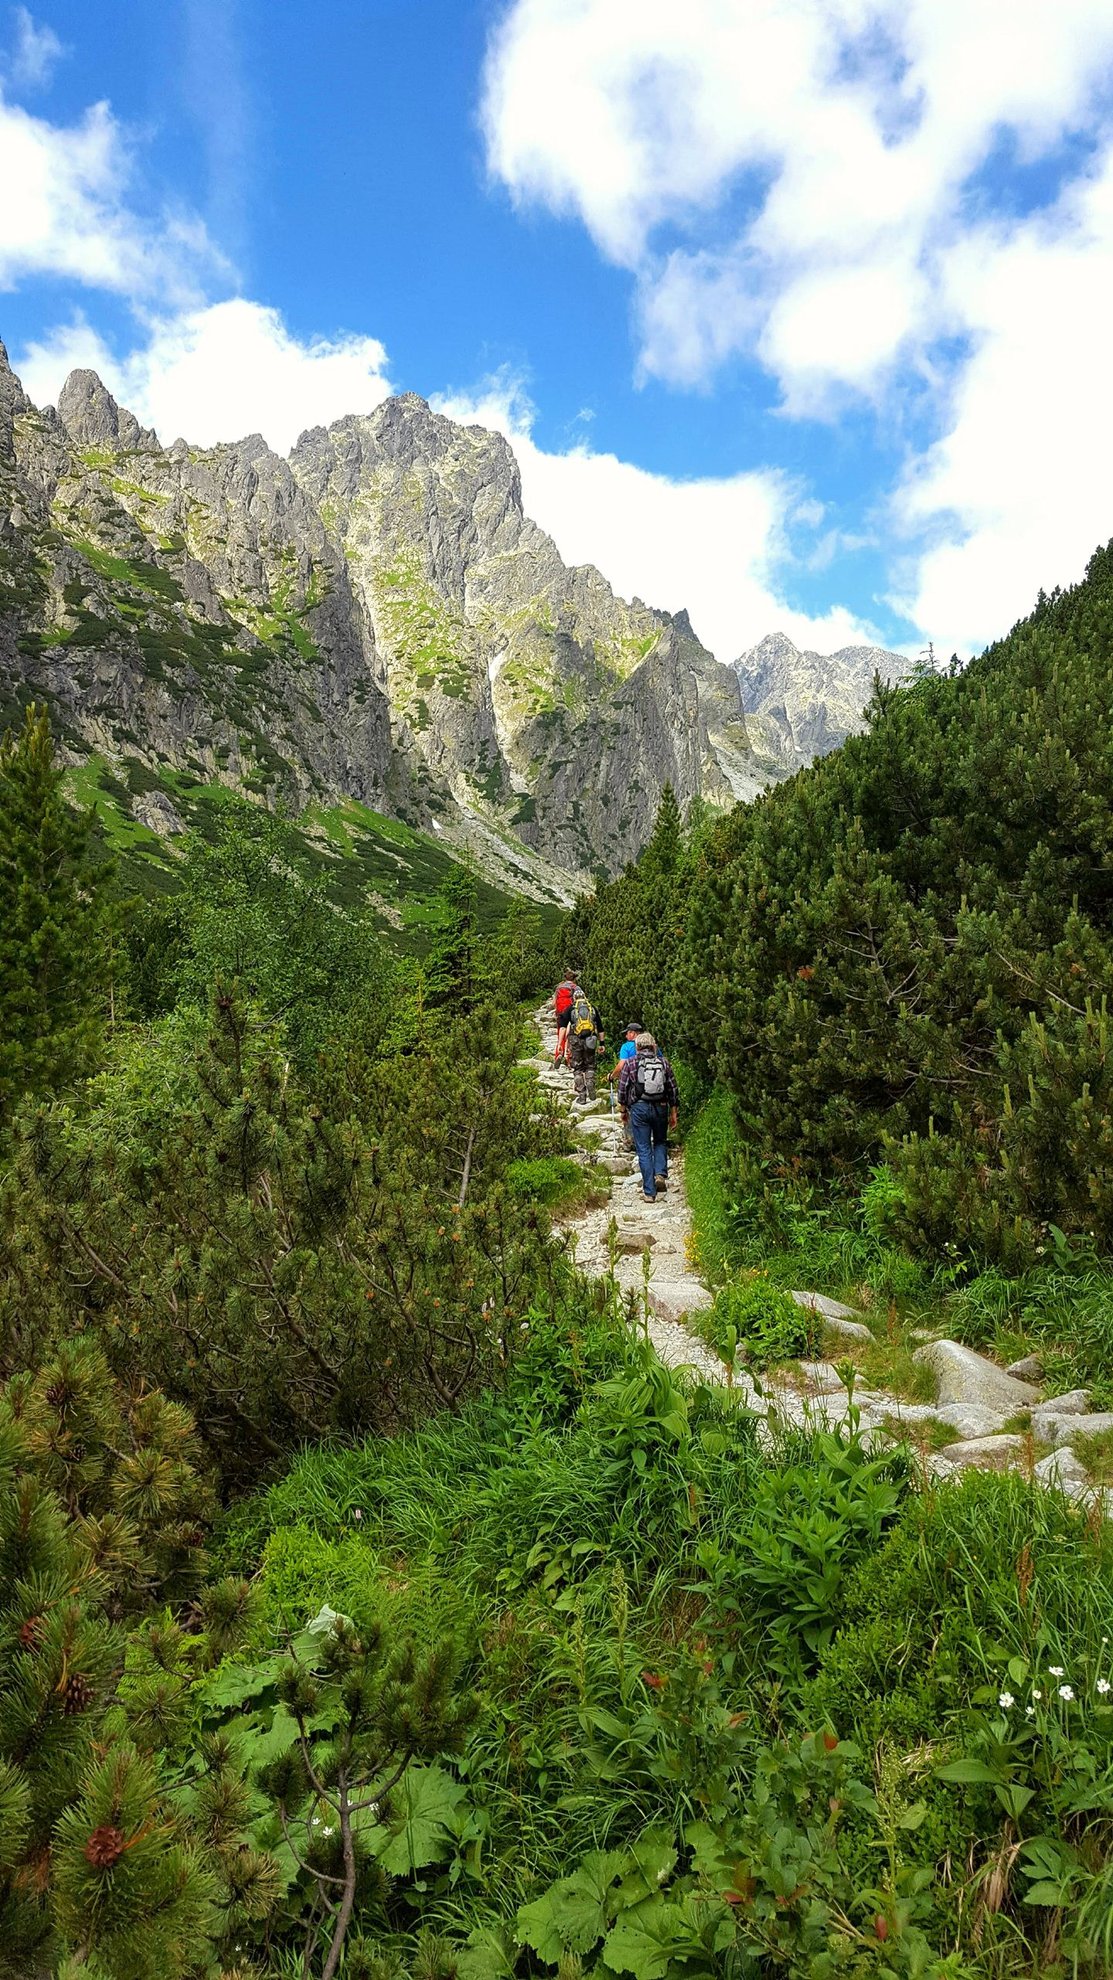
582,1061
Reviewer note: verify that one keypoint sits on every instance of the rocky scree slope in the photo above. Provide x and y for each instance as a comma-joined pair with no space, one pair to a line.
800,705
375,619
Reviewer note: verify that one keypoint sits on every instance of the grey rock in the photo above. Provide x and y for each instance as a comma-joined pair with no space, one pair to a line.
820,1378
671,1299
1073,1402
839,1318
155,810
799,705
985,1454
972,1419
1054,1427
1060,1468
1029,1369
966,1377
92,418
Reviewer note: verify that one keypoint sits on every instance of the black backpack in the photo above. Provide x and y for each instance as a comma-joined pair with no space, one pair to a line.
650,1076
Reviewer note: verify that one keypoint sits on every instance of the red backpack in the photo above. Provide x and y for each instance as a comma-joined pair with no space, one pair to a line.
563,1000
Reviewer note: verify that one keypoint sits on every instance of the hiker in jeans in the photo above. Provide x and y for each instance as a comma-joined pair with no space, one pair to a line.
649,1098
585,1035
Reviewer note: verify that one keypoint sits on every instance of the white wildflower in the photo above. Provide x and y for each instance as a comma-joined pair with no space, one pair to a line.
1007,1700
357,1512
1037,1694
1029,1711
1103,1686
1066,1692
1056,1670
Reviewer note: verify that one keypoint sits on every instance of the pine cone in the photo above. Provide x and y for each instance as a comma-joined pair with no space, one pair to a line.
32,1632
105,1847
77,1695
57,1395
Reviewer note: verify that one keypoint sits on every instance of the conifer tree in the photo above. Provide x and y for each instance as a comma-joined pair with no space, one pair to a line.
53,923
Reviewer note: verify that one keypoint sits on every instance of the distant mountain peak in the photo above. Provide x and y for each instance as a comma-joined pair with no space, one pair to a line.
800,704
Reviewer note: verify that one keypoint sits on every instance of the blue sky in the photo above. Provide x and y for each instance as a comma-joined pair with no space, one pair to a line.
797,315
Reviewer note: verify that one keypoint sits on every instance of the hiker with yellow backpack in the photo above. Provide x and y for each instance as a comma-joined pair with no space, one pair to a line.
585,1035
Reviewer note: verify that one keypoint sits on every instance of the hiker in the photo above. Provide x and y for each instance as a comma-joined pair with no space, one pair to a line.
585,1035
562,1004
627,1050
649,1098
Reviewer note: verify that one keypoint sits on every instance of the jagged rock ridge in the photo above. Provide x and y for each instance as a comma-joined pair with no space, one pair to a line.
800,705
375,618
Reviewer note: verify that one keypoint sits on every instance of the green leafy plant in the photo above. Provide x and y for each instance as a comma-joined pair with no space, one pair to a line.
761,1324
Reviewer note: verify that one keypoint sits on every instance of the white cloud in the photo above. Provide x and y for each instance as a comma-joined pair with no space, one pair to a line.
845,131
36,53
220,372
1019,486
66,214
710,545
830,188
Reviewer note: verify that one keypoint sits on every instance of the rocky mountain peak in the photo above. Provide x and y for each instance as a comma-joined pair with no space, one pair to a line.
92,417
800,704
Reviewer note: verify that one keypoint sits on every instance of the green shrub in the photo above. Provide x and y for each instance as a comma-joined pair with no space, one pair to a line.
763,1323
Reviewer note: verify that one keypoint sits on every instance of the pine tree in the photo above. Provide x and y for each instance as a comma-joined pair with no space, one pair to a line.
53,925
452,967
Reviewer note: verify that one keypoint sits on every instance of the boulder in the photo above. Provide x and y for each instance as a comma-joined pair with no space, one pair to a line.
1058,1427
1029,1369
985,1454
1073,1402
966,1377
839,1318
1061,1468
972,1419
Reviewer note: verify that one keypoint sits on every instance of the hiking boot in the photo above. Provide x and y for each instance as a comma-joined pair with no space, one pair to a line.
646,1198
662,1186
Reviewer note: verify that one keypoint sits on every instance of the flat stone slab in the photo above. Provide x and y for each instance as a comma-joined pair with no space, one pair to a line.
966,1377
985,1454
820,1378
1053,1427
672,1298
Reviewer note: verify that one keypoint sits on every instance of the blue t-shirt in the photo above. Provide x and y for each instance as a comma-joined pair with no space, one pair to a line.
628,1049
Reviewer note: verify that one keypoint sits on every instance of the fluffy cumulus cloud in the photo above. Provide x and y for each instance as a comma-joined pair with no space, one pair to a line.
68,212
710,545
870,198
219,372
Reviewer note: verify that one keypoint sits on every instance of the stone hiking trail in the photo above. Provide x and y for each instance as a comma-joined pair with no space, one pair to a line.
652,1253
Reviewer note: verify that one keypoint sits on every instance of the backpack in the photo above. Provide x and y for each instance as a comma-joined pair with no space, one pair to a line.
563,1000
583,1019
650,1077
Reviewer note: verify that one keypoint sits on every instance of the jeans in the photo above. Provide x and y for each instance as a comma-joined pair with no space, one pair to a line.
649,1127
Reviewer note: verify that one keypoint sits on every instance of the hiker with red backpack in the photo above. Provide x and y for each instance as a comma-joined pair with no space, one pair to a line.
585,1035
650,1099
563,1000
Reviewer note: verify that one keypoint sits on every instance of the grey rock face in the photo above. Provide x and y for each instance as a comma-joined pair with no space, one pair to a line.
966,1377
839,1318
800,705
92,418
542,700
1030,1369
375,619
